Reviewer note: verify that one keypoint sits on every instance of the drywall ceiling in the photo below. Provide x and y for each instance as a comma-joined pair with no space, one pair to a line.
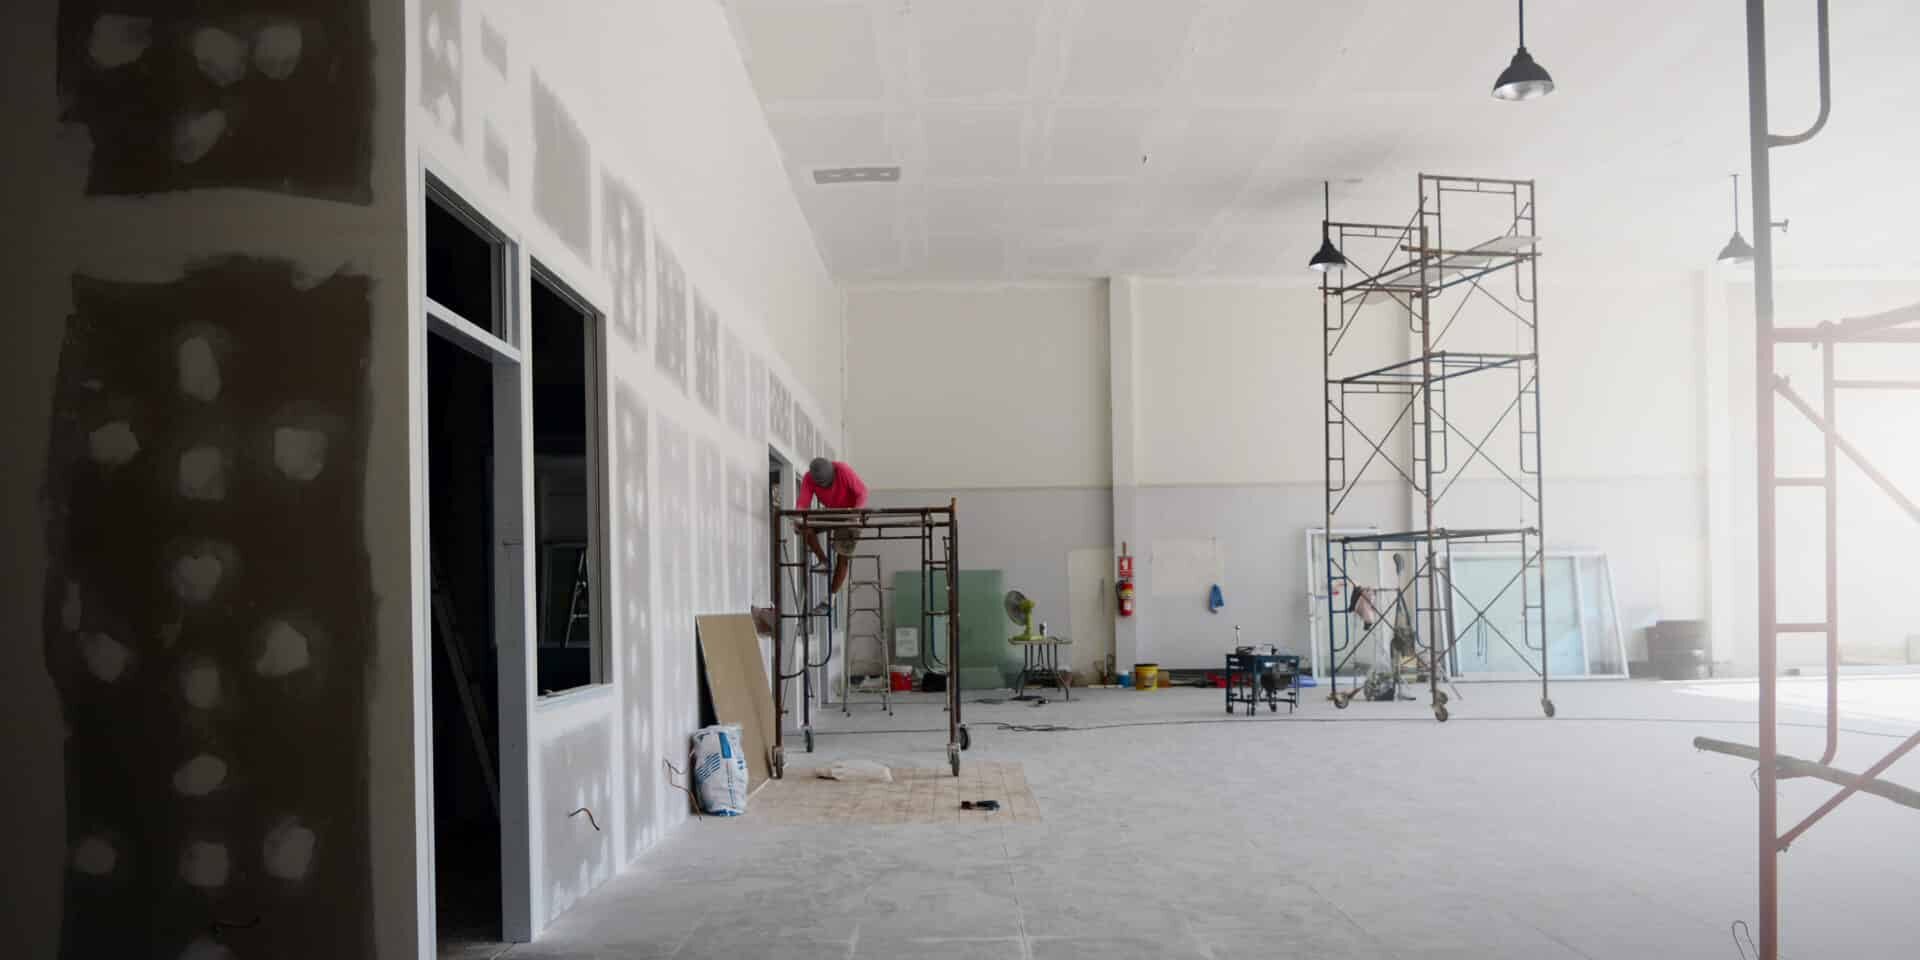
1189,137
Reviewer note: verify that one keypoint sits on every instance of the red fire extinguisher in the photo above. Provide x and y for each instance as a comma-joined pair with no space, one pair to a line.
1123,582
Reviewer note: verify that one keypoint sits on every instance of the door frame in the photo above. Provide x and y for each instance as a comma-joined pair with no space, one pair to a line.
506,352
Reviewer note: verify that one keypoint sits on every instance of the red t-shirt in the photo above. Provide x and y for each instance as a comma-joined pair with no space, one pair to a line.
848,492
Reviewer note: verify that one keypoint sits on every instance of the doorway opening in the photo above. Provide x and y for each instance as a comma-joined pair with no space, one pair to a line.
466,701
474,566
778,471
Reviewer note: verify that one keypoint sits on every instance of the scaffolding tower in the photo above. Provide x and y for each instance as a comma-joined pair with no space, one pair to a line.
1444,291
1885,330
937,531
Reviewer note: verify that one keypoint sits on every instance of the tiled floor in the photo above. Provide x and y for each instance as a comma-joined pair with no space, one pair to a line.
1172,831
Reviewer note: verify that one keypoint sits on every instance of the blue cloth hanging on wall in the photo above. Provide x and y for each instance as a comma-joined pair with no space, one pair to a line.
1215,599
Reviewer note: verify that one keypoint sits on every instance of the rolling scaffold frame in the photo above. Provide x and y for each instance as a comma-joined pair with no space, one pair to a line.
1421,274
936,529
1894,327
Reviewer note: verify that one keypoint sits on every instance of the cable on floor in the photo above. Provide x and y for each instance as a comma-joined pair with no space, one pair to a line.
673,771
1740,929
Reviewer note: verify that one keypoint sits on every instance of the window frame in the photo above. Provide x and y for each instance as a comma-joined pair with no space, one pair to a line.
599,483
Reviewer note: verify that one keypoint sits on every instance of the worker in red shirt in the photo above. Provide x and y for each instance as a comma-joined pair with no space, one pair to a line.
838,488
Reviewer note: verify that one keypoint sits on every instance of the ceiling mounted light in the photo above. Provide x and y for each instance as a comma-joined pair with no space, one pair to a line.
1737,250
1523,79
1328,258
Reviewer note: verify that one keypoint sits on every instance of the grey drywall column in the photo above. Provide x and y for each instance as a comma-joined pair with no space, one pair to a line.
1122,375
206,509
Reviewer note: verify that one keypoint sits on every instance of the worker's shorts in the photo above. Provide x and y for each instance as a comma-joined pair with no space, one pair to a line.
845,541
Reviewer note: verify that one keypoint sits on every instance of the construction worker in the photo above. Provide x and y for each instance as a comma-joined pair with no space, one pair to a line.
837,487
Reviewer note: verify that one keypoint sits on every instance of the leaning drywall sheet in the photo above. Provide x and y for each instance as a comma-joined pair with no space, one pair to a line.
738,683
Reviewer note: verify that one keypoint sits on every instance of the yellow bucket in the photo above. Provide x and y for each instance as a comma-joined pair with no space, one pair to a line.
1146,676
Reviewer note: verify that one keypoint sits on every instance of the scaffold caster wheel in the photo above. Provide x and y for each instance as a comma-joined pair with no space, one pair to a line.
1340,700
809,734
1443,696
953,759
1440,713
779,762
1273,707
1547,705
966,739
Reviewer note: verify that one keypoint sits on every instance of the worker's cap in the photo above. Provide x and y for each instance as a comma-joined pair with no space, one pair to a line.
821,470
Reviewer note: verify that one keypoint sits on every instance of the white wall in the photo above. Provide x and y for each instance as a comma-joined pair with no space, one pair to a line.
994,396
1230,381
667,118
1230,454
1875,569
660,89
1619,373
979,388
1229,440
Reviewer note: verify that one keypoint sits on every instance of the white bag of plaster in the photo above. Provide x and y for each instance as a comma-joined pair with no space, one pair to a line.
720,770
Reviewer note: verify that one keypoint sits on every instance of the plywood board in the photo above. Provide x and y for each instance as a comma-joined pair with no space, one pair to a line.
737,679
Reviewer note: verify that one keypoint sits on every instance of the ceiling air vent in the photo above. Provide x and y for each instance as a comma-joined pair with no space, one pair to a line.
857,175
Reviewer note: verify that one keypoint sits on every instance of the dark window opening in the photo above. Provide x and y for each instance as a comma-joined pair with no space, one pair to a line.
566,449
464,266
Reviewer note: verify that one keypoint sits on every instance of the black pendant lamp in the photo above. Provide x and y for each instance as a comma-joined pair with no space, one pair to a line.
1328,258
1523,79
1737,250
